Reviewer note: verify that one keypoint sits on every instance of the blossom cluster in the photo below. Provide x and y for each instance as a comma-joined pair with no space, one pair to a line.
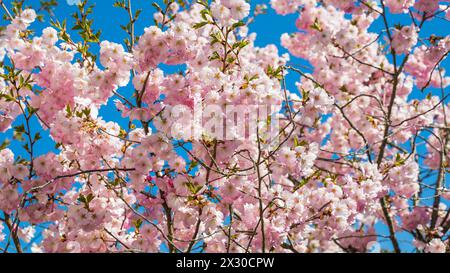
351,149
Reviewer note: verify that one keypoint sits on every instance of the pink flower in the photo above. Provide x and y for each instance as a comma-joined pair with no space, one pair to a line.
404,39
428,6
436,246
49,36
399,6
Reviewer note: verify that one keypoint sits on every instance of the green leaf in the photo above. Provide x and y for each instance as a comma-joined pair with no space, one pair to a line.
199,25
138,223
37,137
5,144
214,56
157,7
296,143
204,13
240,44
82,198
89,198
119,4
7,97
68,110
18,132
317,25
192,165
238,24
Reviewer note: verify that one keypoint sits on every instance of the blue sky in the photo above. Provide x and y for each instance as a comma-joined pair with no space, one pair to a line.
269,27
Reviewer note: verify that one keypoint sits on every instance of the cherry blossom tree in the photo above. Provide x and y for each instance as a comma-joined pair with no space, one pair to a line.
222,156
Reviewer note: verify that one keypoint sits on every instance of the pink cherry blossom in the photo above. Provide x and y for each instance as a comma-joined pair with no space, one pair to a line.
228,153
